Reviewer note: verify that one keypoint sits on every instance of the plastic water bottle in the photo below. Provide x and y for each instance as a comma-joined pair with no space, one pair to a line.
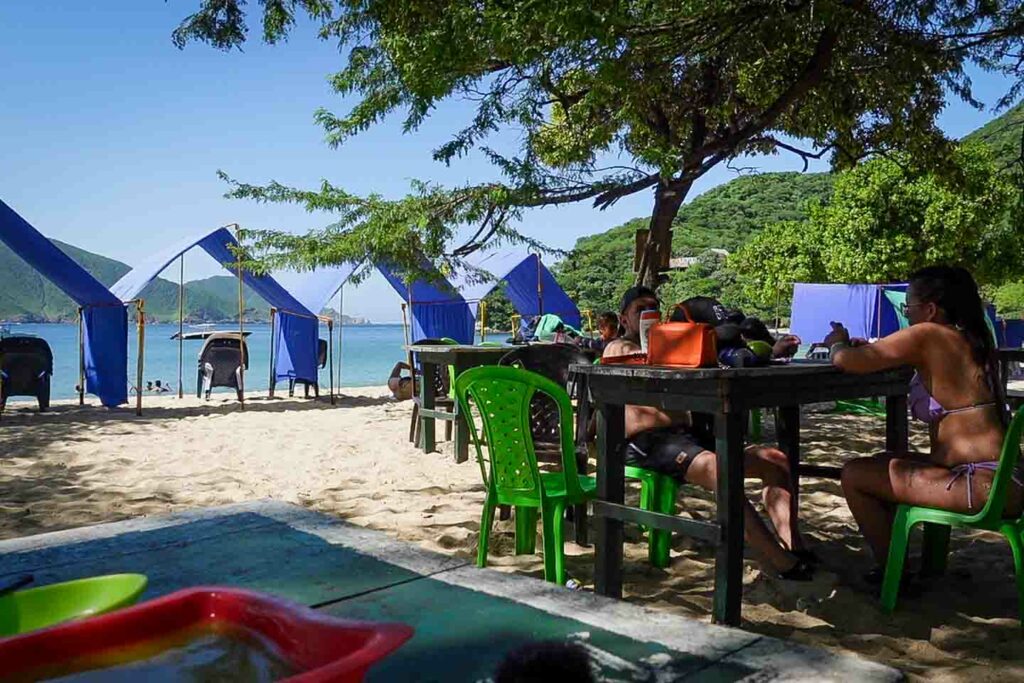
648,319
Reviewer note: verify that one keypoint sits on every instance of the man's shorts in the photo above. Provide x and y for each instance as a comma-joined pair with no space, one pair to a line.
669,450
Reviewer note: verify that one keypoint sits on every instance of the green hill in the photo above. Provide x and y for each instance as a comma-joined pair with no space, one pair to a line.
27,296
600,266
1003,135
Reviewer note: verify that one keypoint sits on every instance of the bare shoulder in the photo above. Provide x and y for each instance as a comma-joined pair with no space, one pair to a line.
620,347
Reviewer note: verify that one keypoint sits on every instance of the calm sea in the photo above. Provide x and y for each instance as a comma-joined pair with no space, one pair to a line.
368,354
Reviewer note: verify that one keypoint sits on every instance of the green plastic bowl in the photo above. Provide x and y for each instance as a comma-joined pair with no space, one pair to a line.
35,608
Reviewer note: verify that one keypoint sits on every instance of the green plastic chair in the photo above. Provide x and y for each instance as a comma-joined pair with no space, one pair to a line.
502,396
939,522
35,608
658,493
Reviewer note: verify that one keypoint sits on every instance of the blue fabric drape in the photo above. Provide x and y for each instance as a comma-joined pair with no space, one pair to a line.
294,336
104,318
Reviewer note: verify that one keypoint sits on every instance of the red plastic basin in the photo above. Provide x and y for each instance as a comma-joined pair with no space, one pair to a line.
316,647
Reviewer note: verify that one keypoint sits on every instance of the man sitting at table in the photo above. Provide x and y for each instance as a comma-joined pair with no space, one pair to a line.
670,443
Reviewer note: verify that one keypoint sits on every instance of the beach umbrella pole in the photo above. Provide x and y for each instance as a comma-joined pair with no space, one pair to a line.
81,362
341,326
181,323
330,356
273,311
140,313
241,324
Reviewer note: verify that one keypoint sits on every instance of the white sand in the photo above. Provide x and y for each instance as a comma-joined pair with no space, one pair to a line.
76,466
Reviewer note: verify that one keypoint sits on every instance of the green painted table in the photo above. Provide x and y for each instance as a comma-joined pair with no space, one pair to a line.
466,619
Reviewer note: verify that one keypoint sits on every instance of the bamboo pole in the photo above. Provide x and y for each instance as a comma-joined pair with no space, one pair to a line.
81,361
241,324
483,321
141,315
273,312
330,356
540,289
181,323
408,353
341,327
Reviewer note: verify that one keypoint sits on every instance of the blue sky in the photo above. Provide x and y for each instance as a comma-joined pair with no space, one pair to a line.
110,137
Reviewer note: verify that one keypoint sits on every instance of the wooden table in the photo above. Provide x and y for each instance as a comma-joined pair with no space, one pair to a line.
437,358
727,394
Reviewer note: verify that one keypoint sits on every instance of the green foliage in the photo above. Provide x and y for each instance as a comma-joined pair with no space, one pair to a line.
672,88
1009,300
774,259
889,217
1004,135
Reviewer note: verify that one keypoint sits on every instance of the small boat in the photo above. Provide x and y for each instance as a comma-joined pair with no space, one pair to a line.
206,334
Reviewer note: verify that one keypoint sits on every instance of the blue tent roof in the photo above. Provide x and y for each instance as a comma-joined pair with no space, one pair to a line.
296,342
105,321
529,284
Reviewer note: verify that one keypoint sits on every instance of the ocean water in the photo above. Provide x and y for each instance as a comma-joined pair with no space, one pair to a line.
368,354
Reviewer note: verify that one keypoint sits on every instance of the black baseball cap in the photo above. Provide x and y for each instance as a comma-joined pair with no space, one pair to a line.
634,293
704,309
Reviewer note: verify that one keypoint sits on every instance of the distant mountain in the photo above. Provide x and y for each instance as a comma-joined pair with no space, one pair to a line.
26,296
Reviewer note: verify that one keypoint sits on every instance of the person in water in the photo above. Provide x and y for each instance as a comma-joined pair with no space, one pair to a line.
956,391
675,444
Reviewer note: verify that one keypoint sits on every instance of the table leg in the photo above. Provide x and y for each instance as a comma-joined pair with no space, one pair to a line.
729,498
897,434
611,487
788,432
427,395
581,390
461,426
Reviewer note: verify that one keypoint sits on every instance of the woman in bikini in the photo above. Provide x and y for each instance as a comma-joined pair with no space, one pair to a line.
956,391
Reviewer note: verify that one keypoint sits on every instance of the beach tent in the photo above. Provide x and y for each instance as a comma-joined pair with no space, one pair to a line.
528,283
867,311
296,337
436,309
104,321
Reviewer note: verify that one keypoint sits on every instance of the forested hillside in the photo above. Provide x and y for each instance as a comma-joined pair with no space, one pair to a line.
27,296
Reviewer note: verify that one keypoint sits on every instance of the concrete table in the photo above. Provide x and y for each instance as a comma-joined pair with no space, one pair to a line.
435,359
466,619
727,394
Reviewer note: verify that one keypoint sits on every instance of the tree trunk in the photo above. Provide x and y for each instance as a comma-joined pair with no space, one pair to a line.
667,200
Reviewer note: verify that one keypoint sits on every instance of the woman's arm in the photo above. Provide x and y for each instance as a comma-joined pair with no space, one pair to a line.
892,351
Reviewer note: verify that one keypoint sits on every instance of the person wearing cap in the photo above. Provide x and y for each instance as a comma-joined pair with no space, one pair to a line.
672,444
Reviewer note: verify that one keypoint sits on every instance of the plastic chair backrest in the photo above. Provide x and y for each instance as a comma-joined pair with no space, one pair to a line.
992,514
502,397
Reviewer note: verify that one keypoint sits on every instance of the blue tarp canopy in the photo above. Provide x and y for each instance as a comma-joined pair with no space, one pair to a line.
105,321
865,310
437,308
295,344
529,285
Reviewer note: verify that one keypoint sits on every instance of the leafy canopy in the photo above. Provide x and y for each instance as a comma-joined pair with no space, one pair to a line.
610,98
889,217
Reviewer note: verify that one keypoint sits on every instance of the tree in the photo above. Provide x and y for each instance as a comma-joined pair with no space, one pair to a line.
1009,300
774,259
889,217
672,88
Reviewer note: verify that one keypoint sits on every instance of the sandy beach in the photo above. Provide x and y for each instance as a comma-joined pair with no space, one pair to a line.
75,466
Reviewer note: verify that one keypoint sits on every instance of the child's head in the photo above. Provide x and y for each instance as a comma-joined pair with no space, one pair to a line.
608,325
